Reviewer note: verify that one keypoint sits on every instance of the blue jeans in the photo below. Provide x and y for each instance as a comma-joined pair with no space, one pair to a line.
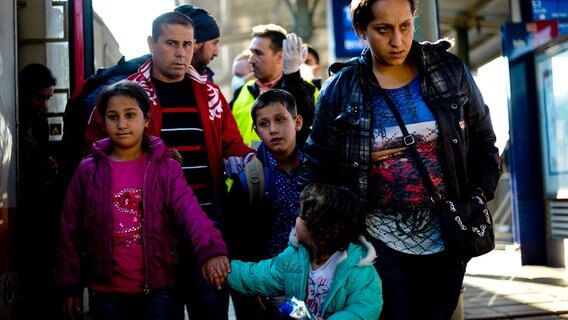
418,286
157,304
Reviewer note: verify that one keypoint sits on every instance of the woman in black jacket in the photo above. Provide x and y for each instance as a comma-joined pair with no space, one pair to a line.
356,142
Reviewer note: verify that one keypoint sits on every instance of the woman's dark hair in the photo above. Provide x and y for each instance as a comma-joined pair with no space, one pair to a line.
272,96
333,215
124,88
362,12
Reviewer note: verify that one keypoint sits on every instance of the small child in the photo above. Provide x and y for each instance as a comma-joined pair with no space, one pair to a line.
124,205
277,122
328,263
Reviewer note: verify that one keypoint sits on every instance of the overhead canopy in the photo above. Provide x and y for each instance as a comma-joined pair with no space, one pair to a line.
478,21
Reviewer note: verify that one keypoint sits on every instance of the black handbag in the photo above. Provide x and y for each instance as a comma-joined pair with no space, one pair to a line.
467,226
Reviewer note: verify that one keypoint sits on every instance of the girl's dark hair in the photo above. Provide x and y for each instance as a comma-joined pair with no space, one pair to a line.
333,215
274,96
124,88
362,13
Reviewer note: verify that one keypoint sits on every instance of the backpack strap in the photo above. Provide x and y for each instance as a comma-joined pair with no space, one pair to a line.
254,172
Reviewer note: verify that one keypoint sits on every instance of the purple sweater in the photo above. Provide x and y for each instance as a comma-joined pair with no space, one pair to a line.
84,253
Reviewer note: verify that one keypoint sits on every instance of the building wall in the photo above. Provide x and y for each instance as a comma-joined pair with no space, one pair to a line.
107,50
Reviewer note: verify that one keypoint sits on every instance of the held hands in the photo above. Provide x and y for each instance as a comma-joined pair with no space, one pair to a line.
294,53
215,270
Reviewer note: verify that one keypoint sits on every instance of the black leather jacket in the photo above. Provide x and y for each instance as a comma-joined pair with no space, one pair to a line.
338,149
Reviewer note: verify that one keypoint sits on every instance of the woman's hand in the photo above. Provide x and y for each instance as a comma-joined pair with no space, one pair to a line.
215,270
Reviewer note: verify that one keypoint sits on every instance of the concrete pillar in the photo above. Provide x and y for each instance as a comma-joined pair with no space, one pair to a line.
463,43
427,24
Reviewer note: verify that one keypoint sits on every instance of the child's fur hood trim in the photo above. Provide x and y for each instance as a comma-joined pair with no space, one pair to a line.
371,253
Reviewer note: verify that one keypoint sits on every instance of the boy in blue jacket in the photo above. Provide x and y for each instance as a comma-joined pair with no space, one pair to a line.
275,208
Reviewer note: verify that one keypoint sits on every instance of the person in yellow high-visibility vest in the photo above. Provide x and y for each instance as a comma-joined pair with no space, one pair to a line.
276,56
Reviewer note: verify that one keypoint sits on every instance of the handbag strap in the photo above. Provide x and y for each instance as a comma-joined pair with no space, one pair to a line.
364,76
409,141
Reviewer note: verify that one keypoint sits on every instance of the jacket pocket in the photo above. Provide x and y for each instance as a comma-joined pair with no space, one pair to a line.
349,117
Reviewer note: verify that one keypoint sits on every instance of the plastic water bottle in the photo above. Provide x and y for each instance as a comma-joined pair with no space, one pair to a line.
296,309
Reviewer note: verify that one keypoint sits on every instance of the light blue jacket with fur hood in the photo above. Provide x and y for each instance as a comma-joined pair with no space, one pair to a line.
355,292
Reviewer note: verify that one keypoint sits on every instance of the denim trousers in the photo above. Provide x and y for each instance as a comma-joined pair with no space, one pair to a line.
156,305
418,286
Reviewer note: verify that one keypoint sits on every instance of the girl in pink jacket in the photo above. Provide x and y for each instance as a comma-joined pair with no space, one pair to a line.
121,219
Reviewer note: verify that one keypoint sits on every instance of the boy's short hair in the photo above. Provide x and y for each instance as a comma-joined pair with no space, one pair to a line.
124,88
333,215
274,96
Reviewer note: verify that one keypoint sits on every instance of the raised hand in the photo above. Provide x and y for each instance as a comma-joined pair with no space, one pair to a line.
294,53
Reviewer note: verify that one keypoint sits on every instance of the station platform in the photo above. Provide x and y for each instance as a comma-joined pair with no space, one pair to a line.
498,286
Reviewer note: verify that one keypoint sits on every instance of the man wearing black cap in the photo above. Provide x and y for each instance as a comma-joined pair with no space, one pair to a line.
206,38
203,300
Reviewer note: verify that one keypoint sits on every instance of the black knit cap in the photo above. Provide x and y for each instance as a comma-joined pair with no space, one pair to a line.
206,27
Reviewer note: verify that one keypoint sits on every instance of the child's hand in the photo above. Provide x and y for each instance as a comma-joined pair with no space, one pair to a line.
215,270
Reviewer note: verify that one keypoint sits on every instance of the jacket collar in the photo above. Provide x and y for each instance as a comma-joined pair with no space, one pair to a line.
146,68
153,145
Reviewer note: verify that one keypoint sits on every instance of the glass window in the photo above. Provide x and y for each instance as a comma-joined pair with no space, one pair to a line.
552,78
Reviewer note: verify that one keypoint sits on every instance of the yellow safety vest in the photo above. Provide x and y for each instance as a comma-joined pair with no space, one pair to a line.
241,111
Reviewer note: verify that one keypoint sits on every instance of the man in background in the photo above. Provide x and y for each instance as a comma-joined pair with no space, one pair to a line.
311,68
207,40
38,206
275,59
242,72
